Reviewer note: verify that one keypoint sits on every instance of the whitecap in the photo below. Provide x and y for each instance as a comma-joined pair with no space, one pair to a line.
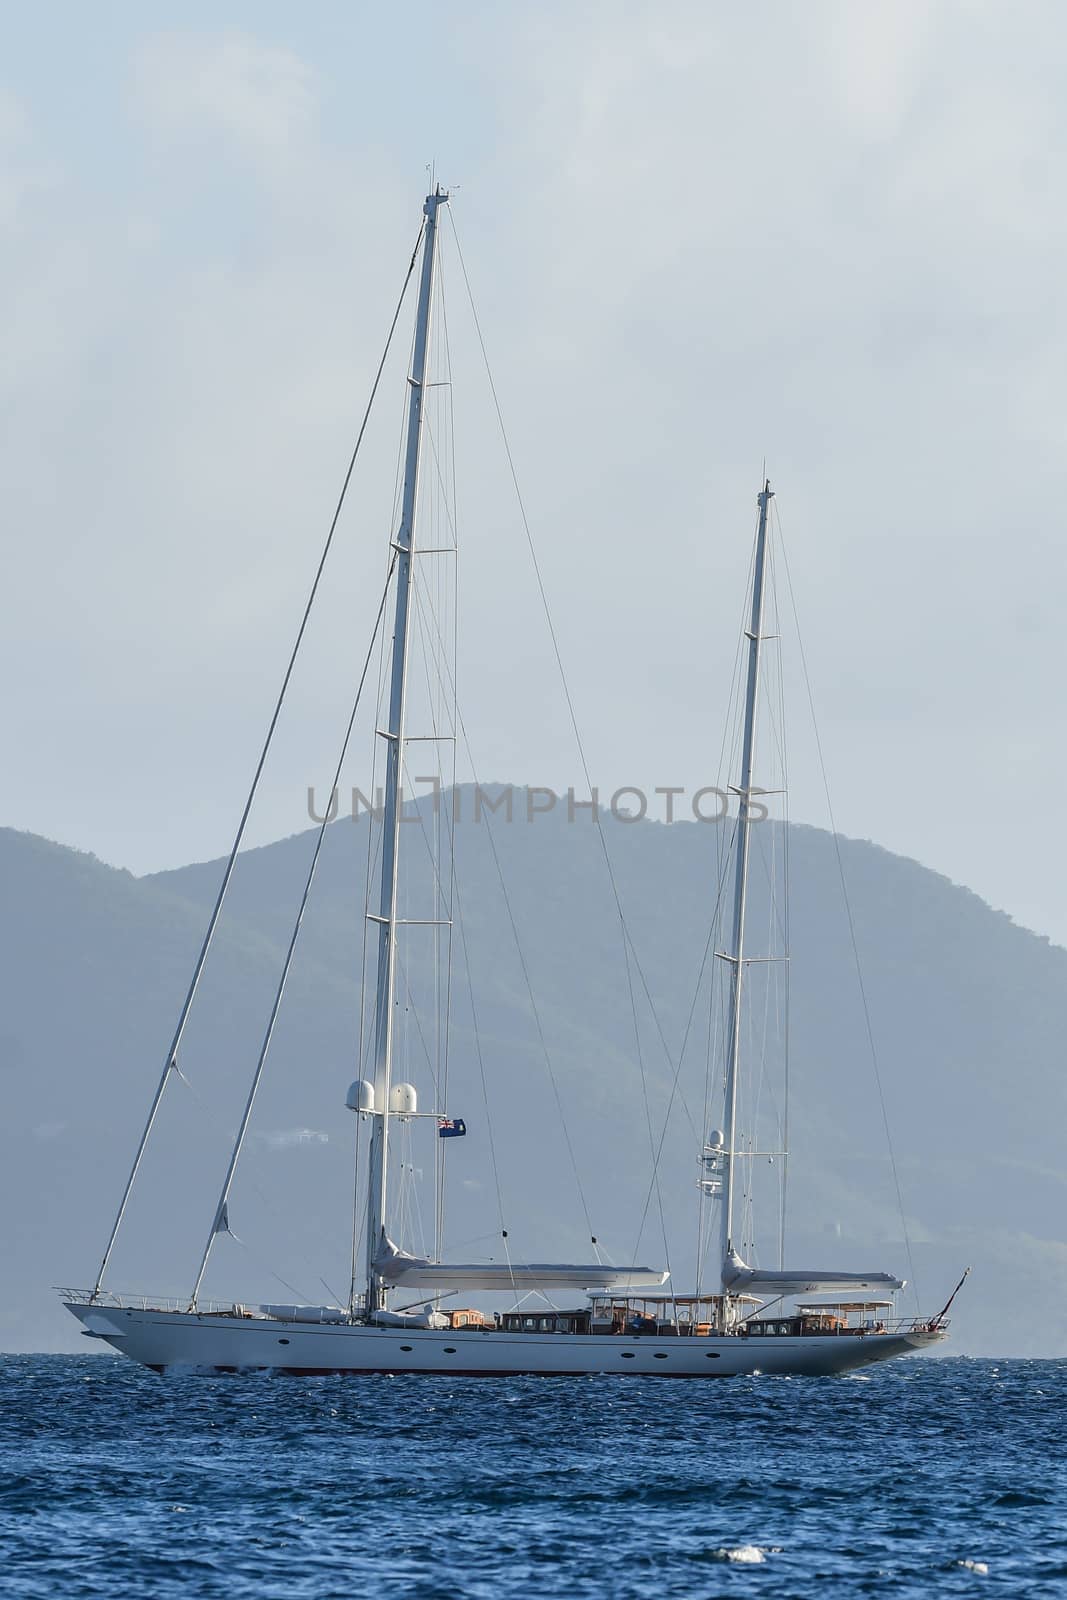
743,1554
981,1567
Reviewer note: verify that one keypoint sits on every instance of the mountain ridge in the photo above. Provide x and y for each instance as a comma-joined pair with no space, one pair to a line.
967,1007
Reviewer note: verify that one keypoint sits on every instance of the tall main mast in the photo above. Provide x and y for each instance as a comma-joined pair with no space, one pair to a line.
736,955
393,734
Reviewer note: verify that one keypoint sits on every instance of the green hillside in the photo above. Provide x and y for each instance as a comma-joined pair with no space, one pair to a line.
968,1012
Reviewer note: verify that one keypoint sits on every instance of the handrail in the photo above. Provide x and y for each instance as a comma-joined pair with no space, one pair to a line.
883,1325
259,1313
150,1302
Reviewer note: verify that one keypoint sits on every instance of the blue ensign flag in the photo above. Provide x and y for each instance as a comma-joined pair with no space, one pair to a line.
451,1127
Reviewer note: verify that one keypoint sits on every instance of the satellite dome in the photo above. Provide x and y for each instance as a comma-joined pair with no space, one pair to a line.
360,1096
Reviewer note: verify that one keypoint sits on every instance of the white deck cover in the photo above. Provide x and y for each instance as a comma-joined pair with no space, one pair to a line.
415,1272
738,1278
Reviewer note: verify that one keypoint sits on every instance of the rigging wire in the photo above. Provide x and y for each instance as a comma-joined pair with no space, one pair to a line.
404,977
257,1076
485,1087
685,1041
433,701
431,513
431,642
437,511
375,834
265,1266
374,841
440,658
768,851
170,1062
648,1121
703,1206
443,893
520,952
358,1218
627,939
869,1026
728,750
772,855
428,624
778,921
787,985
267,1198
534,1007
453,519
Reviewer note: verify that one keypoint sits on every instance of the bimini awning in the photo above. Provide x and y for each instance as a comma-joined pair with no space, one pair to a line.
738,1278
415,1272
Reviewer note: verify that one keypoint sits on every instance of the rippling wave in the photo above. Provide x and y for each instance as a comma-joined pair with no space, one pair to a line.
928,1476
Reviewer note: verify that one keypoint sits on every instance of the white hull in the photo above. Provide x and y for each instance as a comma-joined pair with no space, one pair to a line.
209,1343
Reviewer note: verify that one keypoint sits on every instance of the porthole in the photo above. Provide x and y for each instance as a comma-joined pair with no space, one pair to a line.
660,1355
407,1348
712,1355
627,1355
450,1349
283,1341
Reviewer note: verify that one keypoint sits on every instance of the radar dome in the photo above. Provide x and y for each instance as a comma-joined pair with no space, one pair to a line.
403,1101
360,1096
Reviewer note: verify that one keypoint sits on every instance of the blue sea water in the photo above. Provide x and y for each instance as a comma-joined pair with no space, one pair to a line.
925,1476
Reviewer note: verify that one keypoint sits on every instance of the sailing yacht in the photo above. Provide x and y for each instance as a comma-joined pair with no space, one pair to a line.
559,1319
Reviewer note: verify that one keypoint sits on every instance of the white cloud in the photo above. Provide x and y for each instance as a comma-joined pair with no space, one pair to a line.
292,1138
258,98
880,58
23,173
698,233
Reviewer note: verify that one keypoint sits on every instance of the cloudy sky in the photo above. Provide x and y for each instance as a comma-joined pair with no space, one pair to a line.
830,236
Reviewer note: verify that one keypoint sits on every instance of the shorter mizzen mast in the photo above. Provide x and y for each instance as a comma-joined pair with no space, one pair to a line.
736,954
737,1277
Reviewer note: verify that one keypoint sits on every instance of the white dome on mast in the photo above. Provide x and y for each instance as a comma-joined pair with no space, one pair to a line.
360,1096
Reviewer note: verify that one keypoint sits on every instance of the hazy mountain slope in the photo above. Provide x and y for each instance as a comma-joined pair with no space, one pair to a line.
968,1011
94,965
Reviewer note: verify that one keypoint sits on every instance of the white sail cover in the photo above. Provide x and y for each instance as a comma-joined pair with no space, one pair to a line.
738,1278
415,1272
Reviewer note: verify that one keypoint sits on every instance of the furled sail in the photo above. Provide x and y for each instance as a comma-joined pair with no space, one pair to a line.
397,1267
738,1278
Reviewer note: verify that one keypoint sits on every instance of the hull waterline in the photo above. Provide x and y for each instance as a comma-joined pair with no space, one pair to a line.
182,1340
